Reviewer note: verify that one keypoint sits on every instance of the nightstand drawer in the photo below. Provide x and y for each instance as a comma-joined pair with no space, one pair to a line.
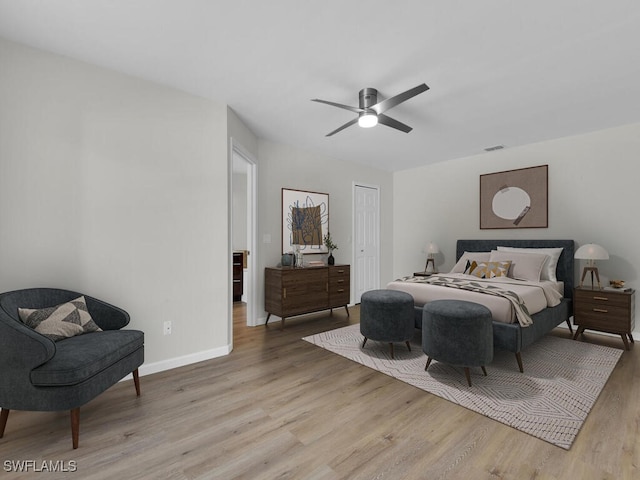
616,319
602,298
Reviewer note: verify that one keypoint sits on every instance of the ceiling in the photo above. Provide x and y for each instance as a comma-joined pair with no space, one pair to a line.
499,72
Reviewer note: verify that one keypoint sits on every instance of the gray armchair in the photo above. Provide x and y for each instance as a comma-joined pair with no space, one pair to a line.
38,374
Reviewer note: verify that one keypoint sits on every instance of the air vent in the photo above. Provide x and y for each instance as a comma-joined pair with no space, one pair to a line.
495,147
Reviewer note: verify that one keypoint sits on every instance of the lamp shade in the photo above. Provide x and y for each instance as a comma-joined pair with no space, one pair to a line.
591,251
432,248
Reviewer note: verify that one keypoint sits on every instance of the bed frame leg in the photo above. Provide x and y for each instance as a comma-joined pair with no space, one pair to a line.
519,359
569,325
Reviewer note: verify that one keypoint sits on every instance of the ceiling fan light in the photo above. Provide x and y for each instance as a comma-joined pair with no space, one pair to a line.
367,120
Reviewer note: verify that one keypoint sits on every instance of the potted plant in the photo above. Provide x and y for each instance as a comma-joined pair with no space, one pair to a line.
328,242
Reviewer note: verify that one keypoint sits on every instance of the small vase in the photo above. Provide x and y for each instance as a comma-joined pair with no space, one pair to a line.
330,259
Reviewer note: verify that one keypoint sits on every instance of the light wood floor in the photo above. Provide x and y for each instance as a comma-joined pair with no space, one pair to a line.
280,408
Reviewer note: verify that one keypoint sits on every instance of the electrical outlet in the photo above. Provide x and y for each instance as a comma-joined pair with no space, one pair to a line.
167,328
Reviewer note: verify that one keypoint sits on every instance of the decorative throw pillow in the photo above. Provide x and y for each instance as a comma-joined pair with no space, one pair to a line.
470,267
62,321
462,266
550,266
491,269
524,266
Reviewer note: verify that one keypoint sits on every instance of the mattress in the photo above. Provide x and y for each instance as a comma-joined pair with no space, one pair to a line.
536,295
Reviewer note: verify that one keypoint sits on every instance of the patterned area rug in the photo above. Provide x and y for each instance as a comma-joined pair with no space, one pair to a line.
551,400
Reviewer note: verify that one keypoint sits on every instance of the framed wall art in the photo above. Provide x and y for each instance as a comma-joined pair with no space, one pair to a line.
514,198
305,220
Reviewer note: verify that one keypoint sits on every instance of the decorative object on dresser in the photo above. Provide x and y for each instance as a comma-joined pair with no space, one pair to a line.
328,242
288,260
295,291
431,250
604,311
237,276
591,252
514,198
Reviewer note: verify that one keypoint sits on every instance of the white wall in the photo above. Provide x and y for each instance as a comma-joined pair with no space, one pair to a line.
116,187
593,197
281,166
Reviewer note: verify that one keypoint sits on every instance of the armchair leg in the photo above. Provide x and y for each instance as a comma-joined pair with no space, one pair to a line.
4,414
75,426
136,381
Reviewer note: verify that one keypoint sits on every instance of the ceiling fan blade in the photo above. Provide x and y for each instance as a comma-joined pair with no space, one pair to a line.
339,105
393,123
348,124
385,105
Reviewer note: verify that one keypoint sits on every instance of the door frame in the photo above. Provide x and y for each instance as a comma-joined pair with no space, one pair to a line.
353,236
252,182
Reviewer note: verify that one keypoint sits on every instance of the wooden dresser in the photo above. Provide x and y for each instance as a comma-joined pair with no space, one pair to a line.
238,285
290,291
604,311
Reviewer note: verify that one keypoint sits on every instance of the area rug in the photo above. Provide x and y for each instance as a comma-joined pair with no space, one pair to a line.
561,382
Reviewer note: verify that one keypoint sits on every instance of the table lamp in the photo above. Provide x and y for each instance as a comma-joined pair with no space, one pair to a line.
431,250
591,252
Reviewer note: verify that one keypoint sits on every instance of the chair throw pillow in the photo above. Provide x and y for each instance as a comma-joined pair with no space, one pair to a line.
62,321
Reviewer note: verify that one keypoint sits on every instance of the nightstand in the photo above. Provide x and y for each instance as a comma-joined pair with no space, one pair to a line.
604,311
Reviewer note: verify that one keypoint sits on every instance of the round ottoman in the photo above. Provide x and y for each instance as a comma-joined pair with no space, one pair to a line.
387,316
458,333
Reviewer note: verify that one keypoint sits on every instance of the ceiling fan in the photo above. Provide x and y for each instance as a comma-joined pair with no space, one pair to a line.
371,112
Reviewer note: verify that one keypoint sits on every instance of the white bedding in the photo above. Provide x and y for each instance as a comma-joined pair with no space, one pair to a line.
536,295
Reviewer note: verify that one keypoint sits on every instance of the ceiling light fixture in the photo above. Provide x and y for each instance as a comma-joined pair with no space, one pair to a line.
367,119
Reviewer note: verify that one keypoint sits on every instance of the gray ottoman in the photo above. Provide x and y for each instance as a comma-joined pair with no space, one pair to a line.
387,316
458,333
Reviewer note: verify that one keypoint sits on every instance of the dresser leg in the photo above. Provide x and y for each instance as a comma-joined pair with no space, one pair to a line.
282,324
630,337
268,317
626,343
579,332
347,309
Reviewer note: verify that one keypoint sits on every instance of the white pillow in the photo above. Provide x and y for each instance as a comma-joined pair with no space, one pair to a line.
478,257
549,269
524,266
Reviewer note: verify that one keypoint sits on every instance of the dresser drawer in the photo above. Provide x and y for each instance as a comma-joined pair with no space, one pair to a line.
339,285
340,271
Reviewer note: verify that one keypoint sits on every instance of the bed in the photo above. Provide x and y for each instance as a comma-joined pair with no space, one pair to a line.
509,333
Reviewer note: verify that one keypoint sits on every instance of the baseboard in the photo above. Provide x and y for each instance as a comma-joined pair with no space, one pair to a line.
171,363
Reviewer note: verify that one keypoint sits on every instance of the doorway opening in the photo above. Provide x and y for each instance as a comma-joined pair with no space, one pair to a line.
243,244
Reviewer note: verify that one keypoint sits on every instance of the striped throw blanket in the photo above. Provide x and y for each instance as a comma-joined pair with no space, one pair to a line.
522,314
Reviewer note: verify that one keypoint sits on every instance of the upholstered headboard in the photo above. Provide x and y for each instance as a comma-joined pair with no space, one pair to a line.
564,272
